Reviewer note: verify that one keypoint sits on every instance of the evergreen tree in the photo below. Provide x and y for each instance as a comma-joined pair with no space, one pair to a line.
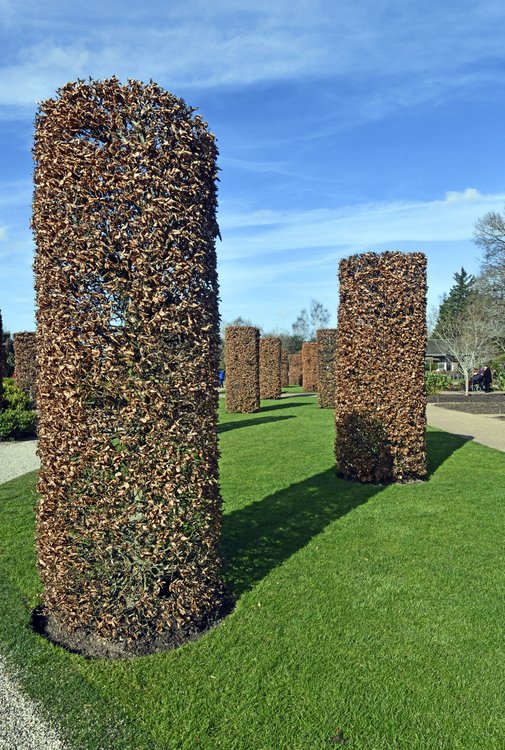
454,303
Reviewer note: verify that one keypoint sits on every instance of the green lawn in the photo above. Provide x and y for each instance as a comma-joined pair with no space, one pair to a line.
374,612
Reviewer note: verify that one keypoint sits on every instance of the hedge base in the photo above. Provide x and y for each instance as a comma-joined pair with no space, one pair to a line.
87,643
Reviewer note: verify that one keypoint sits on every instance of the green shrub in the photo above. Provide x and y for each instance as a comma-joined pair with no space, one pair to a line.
18,418
436,382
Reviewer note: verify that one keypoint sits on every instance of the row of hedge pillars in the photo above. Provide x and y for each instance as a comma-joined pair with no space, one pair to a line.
3,362
25,362
128,351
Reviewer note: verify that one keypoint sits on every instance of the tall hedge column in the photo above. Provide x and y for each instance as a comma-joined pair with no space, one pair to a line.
3,362
270,367
128,352
241,353
25,359
381,344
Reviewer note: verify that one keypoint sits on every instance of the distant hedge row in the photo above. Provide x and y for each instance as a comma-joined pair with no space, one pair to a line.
242,369
326,339
284,368
270,367
25,359
295,369
309,366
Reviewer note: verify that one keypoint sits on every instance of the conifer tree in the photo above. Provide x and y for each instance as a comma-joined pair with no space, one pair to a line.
454,303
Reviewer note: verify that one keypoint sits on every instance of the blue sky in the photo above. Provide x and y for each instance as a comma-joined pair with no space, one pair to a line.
342,125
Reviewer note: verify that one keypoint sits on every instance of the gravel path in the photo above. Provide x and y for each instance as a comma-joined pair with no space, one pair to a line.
21,724
17,459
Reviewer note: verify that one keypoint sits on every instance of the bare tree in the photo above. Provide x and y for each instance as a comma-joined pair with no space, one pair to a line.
471,337
307,323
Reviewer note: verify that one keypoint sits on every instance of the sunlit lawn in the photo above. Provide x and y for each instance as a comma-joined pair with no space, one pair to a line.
375,615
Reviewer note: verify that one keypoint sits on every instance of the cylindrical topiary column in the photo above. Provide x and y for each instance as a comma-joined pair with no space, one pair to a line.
381,344
284,368
25,362
128,351
3,362
295,368
309,366
326,339
241,352
270,367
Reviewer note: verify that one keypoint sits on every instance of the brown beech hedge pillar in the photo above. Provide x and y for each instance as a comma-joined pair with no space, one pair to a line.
326,339
241,353
3,362
25,362
128,351
284,368
381,344
270,367
309,366
295,369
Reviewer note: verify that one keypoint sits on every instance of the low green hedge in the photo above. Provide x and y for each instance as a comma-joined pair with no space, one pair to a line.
18,417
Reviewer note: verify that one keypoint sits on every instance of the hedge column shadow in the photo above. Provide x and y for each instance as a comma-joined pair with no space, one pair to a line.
260,537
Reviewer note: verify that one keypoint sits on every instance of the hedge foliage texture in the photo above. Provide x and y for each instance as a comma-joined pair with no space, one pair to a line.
25,362
3,362
309,365
295,368
326,339
128,350
381,343
241,354
284,368
270,367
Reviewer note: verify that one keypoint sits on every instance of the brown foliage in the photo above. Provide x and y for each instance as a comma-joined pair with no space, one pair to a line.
3,362
326,339
241,353
25,359
284,368
270,367
381,342
124,217
295,369
309,366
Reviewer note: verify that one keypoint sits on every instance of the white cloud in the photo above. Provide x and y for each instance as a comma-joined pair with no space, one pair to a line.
358,227
197,45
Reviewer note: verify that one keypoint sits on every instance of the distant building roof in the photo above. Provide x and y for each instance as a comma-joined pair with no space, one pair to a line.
437,348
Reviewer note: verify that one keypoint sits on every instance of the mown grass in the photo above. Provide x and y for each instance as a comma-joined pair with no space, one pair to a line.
374,614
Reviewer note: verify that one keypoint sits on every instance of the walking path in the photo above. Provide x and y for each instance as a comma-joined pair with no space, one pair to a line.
17,459
488,429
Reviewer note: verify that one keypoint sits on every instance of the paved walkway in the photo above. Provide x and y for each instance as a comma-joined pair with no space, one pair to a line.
17,459
488,429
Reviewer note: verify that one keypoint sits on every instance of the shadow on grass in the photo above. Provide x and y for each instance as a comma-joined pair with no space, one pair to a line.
260,537
283,405
440,446
226,426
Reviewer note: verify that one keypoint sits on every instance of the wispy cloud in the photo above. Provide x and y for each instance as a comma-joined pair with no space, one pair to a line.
195,45
449,219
